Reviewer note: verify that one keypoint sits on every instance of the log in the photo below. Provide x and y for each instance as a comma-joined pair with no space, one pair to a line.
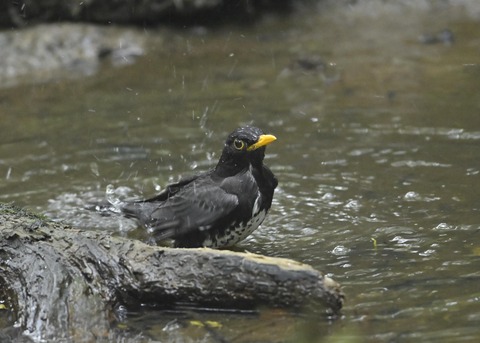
61,282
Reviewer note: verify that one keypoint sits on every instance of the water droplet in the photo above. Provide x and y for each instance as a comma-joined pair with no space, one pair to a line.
340,250
443,226
427,252
412,196
94,168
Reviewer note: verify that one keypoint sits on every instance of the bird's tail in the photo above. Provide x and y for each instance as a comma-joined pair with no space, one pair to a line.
142,210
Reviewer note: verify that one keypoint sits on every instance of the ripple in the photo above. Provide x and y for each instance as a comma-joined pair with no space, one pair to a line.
450,133
414,196
419,163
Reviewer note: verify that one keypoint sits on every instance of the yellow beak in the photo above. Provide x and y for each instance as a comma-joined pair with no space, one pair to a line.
262,141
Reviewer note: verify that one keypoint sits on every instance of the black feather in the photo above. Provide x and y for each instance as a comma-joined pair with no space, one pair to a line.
203,209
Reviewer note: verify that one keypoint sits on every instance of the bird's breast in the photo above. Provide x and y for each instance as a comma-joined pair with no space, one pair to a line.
236,232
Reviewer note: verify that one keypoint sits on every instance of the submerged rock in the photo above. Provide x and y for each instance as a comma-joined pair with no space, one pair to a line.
52,51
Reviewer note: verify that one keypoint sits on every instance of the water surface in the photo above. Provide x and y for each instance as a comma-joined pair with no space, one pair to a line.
377,157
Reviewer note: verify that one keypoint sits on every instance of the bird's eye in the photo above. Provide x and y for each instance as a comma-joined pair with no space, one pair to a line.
238,144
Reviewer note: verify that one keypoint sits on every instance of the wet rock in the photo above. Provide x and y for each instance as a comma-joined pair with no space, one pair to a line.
312,65
445,36
47,52
21,13
309,64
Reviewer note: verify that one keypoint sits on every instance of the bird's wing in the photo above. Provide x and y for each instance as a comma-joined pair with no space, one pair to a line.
195,207
171,189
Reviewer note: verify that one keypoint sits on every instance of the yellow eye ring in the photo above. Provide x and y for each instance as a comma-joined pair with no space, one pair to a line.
238,144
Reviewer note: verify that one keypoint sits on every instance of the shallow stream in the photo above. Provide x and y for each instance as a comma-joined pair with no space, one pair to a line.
378,159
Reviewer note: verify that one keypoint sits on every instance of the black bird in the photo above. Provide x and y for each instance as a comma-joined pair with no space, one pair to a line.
218,208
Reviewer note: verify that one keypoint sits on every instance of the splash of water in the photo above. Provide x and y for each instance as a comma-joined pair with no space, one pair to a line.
113,199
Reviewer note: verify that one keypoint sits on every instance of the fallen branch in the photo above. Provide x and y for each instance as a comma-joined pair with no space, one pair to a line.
62,282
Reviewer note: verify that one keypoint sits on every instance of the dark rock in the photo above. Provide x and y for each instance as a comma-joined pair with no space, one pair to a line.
26,12
445,36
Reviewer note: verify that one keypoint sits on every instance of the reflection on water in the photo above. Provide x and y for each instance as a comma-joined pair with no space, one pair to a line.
377,158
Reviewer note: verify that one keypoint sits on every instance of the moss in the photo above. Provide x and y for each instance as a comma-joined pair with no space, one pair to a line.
10,209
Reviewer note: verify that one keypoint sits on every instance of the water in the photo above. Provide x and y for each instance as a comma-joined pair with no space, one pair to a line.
377,158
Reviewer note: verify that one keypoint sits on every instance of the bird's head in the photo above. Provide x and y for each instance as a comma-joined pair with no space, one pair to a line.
244,146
